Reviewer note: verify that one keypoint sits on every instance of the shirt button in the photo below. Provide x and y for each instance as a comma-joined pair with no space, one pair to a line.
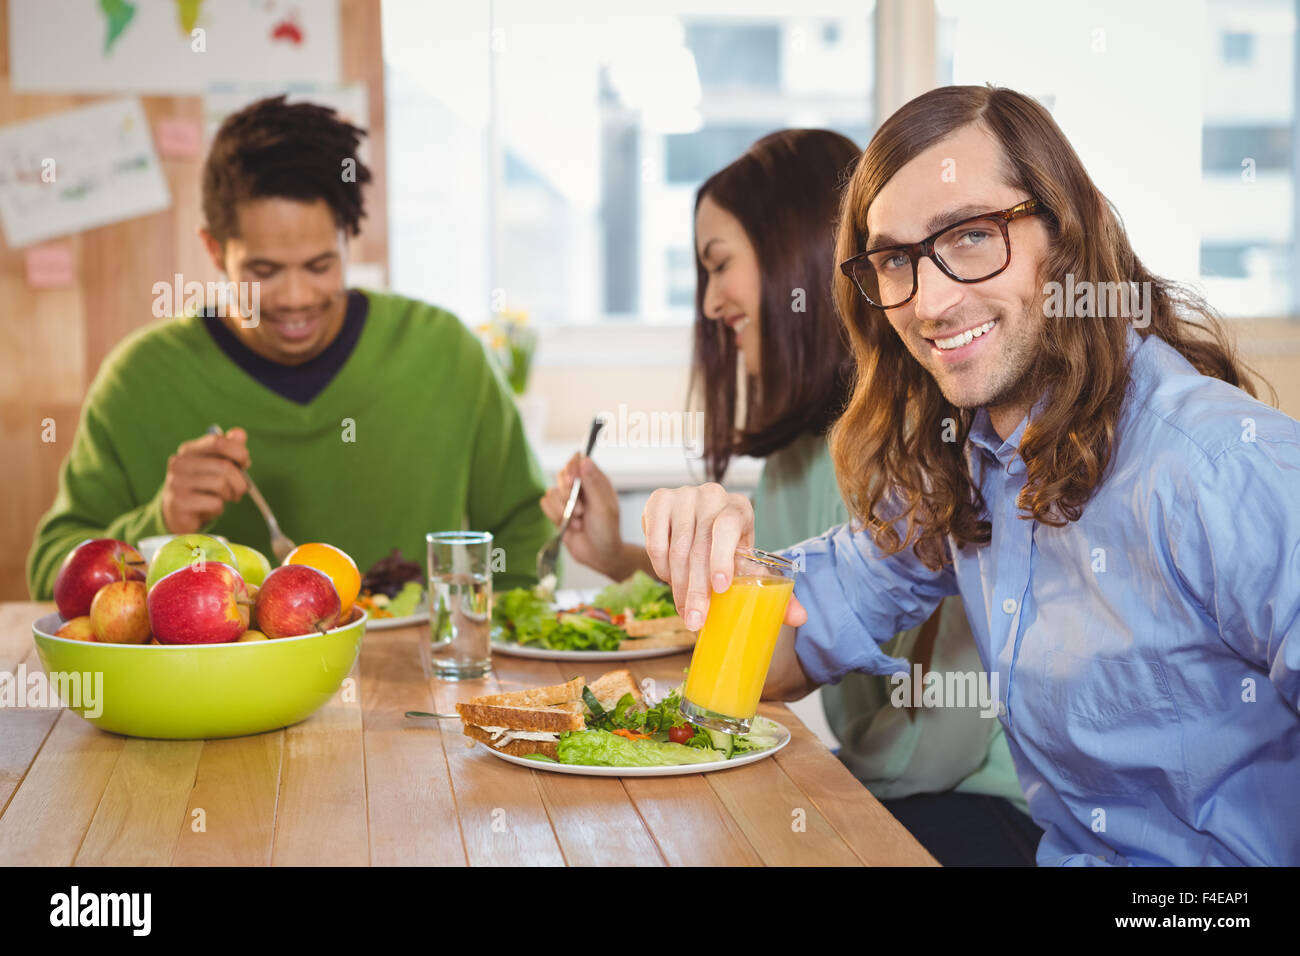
1009,605
1002,709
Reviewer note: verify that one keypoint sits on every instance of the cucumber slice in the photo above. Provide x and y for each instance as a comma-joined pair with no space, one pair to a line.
722,741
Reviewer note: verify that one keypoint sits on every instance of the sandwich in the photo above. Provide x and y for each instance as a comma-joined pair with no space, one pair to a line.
522,723
655,632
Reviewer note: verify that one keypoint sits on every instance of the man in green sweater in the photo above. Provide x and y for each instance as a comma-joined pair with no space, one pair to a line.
366,419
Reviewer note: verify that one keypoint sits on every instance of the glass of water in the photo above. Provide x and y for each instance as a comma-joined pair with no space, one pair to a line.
460,603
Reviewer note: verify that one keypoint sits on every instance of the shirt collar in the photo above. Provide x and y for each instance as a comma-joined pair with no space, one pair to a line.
985,437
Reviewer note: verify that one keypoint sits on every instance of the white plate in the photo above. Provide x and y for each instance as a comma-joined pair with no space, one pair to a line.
572,598
419,617
671,771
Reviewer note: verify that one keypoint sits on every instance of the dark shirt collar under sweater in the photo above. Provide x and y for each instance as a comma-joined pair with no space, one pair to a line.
298,383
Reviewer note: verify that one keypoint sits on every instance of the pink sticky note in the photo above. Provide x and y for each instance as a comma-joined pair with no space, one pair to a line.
50,266
178,138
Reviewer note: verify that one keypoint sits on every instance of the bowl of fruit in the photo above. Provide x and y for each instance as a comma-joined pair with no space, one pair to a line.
206,640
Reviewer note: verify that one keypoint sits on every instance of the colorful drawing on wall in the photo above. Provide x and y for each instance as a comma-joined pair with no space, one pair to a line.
181,47
188,13
118,14
76,170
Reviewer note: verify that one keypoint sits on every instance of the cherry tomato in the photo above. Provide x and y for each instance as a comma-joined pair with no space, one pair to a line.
680,735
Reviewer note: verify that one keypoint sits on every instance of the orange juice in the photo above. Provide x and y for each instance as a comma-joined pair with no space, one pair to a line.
734,649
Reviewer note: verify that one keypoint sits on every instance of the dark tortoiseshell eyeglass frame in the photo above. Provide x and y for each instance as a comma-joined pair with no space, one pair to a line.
915,251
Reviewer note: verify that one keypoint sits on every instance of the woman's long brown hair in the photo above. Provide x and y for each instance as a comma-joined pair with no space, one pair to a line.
785,192
894,468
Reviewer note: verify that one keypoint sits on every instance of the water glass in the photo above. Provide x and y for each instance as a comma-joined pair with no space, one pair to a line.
460,604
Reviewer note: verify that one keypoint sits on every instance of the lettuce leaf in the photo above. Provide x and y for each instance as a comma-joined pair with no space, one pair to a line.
600,748
522,617
404,603
647,597
763,735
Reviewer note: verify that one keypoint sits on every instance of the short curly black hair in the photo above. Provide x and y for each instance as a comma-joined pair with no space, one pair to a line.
294,150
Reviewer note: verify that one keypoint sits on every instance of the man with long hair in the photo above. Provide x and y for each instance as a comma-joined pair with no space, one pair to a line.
1068,441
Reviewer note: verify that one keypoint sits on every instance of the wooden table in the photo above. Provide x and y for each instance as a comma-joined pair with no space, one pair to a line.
359,783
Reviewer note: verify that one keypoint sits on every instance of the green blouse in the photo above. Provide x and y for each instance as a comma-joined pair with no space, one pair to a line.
942,748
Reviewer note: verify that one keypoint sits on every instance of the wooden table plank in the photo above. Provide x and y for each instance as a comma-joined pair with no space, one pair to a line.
870,830
321,816
230,815
595,821
412,818
139,817
23,731
16,619
503,818
778,819
49,814
688,822
832,801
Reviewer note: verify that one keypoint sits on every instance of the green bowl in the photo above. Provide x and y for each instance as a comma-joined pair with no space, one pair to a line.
194,691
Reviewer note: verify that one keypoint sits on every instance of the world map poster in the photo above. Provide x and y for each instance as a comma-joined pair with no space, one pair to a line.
177,47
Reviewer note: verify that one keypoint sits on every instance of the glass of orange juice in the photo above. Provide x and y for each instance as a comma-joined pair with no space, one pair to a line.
734,649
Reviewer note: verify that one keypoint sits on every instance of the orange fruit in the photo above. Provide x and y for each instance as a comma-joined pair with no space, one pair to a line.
335,564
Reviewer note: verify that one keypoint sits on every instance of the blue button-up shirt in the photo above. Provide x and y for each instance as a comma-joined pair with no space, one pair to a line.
1146,657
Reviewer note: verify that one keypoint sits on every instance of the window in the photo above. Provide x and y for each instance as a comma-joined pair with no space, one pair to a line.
589,125
1238,47
1224,148
1204,181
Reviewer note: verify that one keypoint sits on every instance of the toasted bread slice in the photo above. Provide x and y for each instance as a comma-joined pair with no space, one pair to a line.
655,625
516,748
536,696
489,711
554,719
610,687
669,639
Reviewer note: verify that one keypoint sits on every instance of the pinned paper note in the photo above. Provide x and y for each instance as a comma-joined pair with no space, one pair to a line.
50,266
178,138
76,170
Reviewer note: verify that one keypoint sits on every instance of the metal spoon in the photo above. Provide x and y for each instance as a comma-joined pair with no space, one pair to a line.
423,713
280,543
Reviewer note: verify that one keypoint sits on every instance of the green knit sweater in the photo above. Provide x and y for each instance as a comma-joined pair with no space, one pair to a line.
417,432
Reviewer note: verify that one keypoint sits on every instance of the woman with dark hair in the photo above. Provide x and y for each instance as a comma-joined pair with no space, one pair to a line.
764,241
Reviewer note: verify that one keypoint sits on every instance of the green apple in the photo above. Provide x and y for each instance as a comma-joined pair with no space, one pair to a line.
186,549
253,565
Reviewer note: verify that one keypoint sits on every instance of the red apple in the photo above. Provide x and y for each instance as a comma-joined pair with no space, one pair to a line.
199,604
90,566
297,599
78,629
120,613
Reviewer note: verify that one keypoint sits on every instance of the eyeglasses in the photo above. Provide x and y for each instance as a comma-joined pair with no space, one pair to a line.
972,250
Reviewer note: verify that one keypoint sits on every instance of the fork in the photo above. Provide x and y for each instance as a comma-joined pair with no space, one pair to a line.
546,557
280,543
